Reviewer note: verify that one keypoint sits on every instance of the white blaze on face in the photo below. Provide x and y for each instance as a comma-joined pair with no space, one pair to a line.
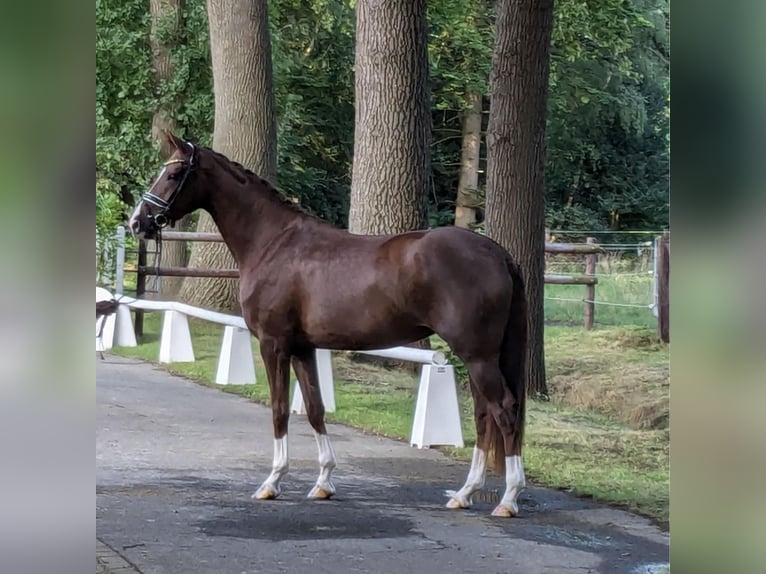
134,217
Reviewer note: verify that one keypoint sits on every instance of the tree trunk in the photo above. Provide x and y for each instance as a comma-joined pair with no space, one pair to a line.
515,206
245,126
392,125
392,133
468,197
167,19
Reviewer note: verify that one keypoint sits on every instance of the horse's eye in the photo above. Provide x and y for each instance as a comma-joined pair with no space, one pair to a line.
173,176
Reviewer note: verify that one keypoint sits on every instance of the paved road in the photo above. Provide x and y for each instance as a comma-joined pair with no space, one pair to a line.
177,462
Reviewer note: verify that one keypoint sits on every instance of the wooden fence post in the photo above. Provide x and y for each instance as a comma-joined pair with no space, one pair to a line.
590,290
663,287
140,286
119,261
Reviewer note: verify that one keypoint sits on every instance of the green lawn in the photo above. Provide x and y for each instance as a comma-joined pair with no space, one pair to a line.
615,296
587,439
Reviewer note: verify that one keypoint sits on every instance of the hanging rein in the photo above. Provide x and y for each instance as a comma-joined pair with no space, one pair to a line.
161,219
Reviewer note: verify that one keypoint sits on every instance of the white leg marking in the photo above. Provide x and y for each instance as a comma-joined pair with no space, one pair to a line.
474,482
270,487
324,487
515,482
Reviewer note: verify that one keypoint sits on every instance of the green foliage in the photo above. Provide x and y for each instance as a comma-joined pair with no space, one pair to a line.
109,209
460,57
461,372
608,124
460,51
607,134
127,94
314,86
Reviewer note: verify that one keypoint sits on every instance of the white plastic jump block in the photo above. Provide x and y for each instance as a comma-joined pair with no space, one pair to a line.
118,328
124,333
235,364
176,345
437,413
326,385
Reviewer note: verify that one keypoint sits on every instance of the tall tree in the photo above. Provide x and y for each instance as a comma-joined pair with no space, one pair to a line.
166,26
516,154
392,133
468,196
166,29
461,49
245,125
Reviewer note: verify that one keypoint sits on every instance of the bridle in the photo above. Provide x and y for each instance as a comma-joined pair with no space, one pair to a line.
161,219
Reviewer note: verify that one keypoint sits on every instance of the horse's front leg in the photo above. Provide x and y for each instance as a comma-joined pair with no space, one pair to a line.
277,363
304,365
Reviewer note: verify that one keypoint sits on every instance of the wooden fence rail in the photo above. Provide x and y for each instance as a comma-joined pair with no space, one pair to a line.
589,250
663,286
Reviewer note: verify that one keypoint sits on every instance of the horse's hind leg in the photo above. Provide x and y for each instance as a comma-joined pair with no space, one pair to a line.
475,480
505,409
500,427
277,363
305,368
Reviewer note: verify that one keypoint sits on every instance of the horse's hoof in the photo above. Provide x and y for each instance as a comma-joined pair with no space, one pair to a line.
457,500
320,493
266,492
505,511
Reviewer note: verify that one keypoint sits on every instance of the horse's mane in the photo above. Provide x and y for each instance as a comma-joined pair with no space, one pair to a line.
245,175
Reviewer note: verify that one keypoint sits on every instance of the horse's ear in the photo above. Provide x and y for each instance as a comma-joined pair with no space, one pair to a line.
174,141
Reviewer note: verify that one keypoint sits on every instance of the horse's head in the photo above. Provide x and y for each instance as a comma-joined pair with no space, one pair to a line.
173,193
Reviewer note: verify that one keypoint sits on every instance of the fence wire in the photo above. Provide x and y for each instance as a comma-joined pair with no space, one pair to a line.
624,294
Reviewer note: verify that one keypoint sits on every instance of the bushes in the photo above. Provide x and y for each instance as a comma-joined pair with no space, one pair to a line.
110,211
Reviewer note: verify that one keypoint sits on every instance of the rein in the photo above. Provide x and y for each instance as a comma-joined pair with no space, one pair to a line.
161,219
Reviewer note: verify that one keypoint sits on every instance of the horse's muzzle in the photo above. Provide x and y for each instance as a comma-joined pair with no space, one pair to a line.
143,229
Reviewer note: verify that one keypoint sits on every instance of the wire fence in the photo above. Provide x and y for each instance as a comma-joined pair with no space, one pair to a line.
625,293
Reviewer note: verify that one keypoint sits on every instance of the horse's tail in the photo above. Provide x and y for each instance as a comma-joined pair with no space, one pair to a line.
513,353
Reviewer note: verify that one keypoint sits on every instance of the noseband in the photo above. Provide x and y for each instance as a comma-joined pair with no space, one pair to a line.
161,219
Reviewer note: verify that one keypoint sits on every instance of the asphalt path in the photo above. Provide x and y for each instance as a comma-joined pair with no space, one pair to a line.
176,463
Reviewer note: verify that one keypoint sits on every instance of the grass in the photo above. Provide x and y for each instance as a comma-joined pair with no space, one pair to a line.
603,434
619,289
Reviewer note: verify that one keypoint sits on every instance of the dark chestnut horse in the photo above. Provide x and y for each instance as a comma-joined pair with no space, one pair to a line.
305,284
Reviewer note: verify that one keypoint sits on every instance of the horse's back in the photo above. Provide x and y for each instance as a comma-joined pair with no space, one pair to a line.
459,253
355,291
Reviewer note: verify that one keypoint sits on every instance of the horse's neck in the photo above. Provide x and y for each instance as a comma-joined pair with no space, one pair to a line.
248,217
